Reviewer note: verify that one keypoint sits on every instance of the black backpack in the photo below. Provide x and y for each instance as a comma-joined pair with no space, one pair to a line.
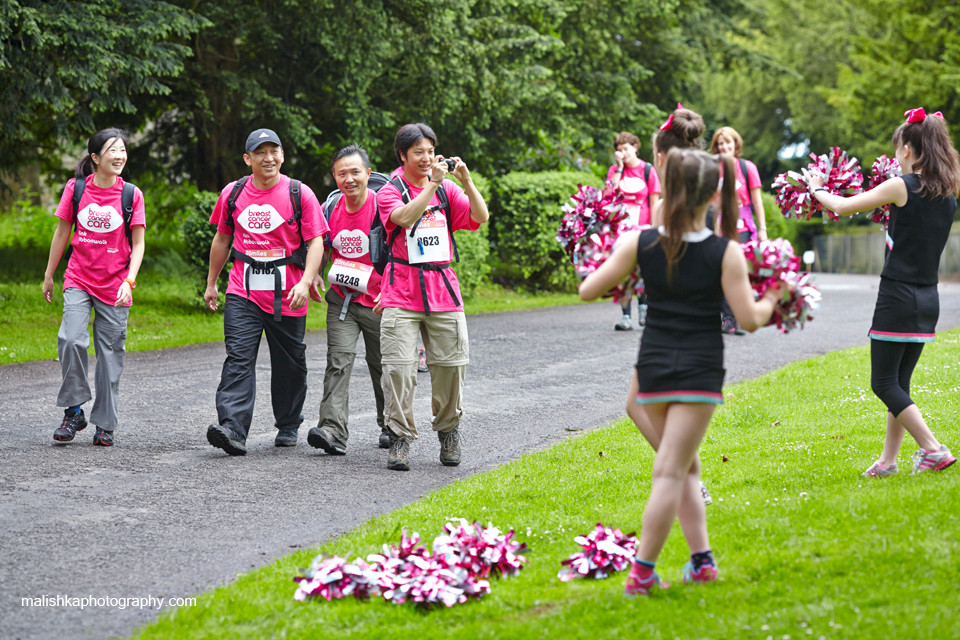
377,236
126,203
298,258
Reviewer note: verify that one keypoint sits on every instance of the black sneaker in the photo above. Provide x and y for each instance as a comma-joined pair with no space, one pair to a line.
223,438
384,440
449,447
72,422
398,456
286,437
320,438
103,438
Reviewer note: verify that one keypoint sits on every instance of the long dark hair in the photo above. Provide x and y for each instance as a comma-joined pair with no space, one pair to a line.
86,165
690,178
937,164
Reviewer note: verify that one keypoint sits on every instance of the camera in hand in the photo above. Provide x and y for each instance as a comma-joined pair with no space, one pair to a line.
451,164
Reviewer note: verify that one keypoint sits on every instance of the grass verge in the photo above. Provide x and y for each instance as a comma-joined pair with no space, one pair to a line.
806,547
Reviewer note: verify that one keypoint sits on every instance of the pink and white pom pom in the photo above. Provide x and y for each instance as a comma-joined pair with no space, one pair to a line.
841,176
479,551
589,231
605,551
884,168
774,262
335,578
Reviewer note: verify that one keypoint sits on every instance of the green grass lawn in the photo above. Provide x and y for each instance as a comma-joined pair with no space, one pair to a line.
806,547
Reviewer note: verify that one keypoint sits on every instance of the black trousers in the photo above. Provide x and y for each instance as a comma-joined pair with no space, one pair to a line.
243,325
891,365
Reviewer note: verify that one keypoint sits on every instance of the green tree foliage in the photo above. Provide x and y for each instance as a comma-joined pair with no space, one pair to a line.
523,232
66,68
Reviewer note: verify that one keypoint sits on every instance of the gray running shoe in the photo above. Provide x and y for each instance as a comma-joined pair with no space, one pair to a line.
384,440
876,471
449,447
320,438
625,324
398,456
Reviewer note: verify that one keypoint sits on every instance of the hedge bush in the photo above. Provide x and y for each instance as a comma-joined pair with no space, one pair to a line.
198,233
523,227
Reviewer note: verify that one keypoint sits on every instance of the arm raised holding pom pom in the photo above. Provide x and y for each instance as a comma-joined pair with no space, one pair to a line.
750,314
893,191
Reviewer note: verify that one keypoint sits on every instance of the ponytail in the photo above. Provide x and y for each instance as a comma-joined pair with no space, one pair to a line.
95,145
690,180
729,209
936,163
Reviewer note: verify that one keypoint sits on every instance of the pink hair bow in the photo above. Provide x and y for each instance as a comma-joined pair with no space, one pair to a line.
919,115
669,123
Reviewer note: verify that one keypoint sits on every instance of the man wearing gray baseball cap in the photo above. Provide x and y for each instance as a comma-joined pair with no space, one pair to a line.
272,228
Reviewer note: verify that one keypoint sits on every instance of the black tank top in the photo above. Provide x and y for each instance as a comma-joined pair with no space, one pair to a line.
917,234
691,302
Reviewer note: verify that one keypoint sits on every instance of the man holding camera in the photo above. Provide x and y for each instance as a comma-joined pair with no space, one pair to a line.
420,210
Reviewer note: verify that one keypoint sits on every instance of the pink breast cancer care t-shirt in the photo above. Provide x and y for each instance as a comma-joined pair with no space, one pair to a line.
262,231
350,259
636,191
405,290
101,252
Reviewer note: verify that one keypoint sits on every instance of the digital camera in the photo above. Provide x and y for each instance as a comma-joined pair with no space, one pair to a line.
451,164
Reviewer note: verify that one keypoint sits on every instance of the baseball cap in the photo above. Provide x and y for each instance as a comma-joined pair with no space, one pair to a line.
258,137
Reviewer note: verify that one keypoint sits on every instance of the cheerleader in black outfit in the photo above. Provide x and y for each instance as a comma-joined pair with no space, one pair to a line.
679,374
923,203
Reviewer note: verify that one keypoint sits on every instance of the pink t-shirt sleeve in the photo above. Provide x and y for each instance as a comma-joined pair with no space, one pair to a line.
313,222
753,179
459,207
218,216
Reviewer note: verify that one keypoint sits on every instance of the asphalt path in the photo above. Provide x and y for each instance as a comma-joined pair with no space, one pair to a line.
163,514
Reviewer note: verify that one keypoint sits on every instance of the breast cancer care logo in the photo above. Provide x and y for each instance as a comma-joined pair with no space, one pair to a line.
260,218
352,243
99,219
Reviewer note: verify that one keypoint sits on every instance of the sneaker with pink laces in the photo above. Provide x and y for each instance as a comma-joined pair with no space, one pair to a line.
876,471
641,580
932,460
706,573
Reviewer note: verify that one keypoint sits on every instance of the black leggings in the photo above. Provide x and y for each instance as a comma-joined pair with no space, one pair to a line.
891,365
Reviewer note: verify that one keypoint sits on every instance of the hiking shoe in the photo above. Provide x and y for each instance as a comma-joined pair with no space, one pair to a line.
103,438
422,361
932,460
286,437
640,583
876,471
397,457
223,438
642,314
384,440
320,438
449,447
625,324
68,428
707,573
705,494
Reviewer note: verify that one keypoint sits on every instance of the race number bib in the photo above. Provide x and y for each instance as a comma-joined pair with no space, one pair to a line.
431,241
350,274
259,279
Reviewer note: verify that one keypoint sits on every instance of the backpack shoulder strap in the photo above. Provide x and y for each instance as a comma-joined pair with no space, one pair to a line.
232,199
126,201
79,185
445,205
746,181
646,172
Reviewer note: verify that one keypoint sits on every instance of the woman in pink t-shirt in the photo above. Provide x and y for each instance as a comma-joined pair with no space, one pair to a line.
752,224
638,183
105,255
